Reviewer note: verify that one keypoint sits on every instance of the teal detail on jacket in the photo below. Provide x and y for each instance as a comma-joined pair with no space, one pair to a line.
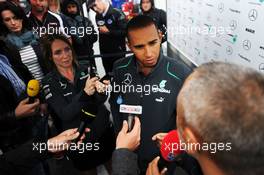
124,66
170,73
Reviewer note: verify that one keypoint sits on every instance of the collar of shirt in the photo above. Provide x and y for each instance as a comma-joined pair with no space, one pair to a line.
60,77
154,68
79,74
106,10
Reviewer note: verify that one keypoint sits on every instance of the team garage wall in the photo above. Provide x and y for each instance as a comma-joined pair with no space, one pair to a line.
217,30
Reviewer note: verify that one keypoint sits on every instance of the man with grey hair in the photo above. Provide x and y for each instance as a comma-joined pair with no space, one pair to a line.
222,104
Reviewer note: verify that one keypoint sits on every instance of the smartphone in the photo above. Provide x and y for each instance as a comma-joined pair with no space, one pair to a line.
106,77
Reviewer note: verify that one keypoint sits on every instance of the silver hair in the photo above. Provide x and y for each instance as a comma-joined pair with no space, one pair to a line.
224,103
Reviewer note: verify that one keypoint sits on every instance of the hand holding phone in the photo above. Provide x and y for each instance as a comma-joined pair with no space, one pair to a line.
106,77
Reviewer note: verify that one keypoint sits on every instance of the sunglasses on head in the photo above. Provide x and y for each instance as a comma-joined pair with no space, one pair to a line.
91,3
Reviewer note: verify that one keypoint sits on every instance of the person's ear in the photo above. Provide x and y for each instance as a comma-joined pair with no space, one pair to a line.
160,35
192,143
128,44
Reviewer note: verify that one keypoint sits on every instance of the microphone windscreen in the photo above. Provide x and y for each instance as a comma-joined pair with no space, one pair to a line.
33,88
170,147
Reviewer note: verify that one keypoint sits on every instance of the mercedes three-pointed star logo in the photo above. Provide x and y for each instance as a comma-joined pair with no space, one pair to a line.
128,79
253,15
246,44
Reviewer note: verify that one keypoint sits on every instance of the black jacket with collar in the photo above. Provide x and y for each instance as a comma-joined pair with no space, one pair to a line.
115,21
52,23
156,93
66,100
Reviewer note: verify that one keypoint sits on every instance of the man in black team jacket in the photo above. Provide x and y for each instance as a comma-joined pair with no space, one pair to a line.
111,24
150,79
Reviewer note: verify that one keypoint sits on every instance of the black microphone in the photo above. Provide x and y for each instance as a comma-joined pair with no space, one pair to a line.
88,113
132,111
87,117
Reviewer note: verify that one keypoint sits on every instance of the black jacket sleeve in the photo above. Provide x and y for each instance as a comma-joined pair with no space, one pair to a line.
7,118
64,110
7,103
67,110
120,30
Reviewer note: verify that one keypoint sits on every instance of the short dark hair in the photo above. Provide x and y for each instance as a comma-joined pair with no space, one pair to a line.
152,5
19,14
46,43
139,22
223,103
